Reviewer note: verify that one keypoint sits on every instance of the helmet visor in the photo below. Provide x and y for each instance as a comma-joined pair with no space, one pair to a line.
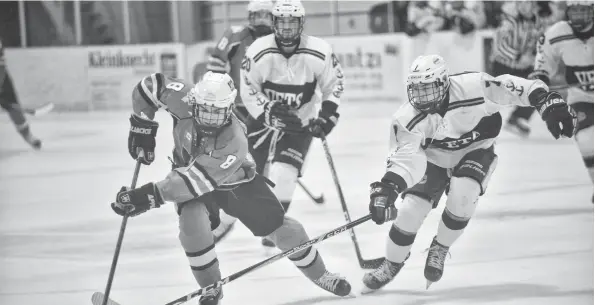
580,16
288,29
210,116
426,97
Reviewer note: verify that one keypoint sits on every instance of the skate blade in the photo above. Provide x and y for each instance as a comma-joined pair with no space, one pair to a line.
428,284
97,299
366,290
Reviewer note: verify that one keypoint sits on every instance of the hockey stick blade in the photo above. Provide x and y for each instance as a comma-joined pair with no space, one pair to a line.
98,297
39,111
372,263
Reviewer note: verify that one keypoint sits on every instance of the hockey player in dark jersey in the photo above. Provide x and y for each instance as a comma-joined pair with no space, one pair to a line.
10,103
227,56
231,48
213,169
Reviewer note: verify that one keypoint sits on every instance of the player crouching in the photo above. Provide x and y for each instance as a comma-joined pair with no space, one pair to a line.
213,170
443,140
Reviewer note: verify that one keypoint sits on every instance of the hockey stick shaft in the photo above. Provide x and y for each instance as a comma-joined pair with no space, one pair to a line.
271,260
317,199
331,164
112,270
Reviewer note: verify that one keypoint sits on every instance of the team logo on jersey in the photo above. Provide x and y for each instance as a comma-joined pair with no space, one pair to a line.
581,75
292,95
462,142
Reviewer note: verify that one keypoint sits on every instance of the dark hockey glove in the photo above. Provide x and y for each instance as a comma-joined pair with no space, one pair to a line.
382,202
326,121
560,118
142,137
281,117
137,201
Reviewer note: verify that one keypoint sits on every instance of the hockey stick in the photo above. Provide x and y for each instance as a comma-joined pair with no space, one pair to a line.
39,111
316,199
365,264
112,270
98,296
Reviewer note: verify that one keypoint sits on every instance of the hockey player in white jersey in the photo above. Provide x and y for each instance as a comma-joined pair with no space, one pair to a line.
443,140
567,48
280,74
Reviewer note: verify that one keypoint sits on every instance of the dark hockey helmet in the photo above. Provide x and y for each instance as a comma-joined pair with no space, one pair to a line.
288,22
212,99
580,15
428,83
260,17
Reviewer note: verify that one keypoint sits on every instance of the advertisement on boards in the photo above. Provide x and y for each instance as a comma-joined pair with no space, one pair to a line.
372,66
113,71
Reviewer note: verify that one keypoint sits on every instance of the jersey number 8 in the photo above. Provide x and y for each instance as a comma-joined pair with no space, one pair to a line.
175,86
228,162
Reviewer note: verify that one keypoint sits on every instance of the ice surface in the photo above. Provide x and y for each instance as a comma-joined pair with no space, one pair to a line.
531,241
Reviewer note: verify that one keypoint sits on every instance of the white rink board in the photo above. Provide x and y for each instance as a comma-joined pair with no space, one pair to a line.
531,241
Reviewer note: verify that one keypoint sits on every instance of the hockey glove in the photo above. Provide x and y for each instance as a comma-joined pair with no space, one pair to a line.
137,201
326,121
561,120
142,137
382,202
281,117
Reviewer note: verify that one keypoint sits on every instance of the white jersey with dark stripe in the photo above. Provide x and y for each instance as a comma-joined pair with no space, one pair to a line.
203,164
268,74
560,51
470,121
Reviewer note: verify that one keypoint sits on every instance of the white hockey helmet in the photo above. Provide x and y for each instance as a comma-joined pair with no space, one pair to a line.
212,99
580,15
260,17
288,21
428,83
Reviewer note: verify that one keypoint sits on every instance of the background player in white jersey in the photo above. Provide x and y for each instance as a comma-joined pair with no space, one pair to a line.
443,140
213,169
567,48
227,58
280,74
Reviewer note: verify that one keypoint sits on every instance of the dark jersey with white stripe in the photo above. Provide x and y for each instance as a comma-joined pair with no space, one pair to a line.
229,51
204,163
470,121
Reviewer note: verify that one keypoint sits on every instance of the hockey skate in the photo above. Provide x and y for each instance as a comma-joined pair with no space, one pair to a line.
334,283
435,262
211,297
33,141
381,276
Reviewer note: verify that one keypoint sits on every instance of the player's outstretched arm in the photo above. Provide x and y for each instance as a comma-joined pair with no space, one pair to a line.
511,90
405,165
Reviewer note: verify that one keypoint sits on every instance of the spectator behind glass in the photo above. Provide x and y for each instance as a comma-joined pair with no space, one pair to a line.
465,16
426,16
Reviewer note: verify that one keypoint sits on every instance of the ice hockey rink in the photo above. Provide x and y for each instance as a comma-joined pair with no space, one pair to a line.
531,241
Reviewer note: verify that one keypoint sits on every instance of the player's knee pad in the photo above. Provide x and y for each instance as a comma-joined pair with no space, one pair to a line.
412,212
291,234
462,197
284,176
196,237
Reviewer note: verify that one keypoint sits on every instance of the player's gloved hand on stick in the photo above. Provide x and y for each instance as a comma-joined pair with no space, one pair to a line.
326,121
280,116
137,201
555,112
382,202
142,137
